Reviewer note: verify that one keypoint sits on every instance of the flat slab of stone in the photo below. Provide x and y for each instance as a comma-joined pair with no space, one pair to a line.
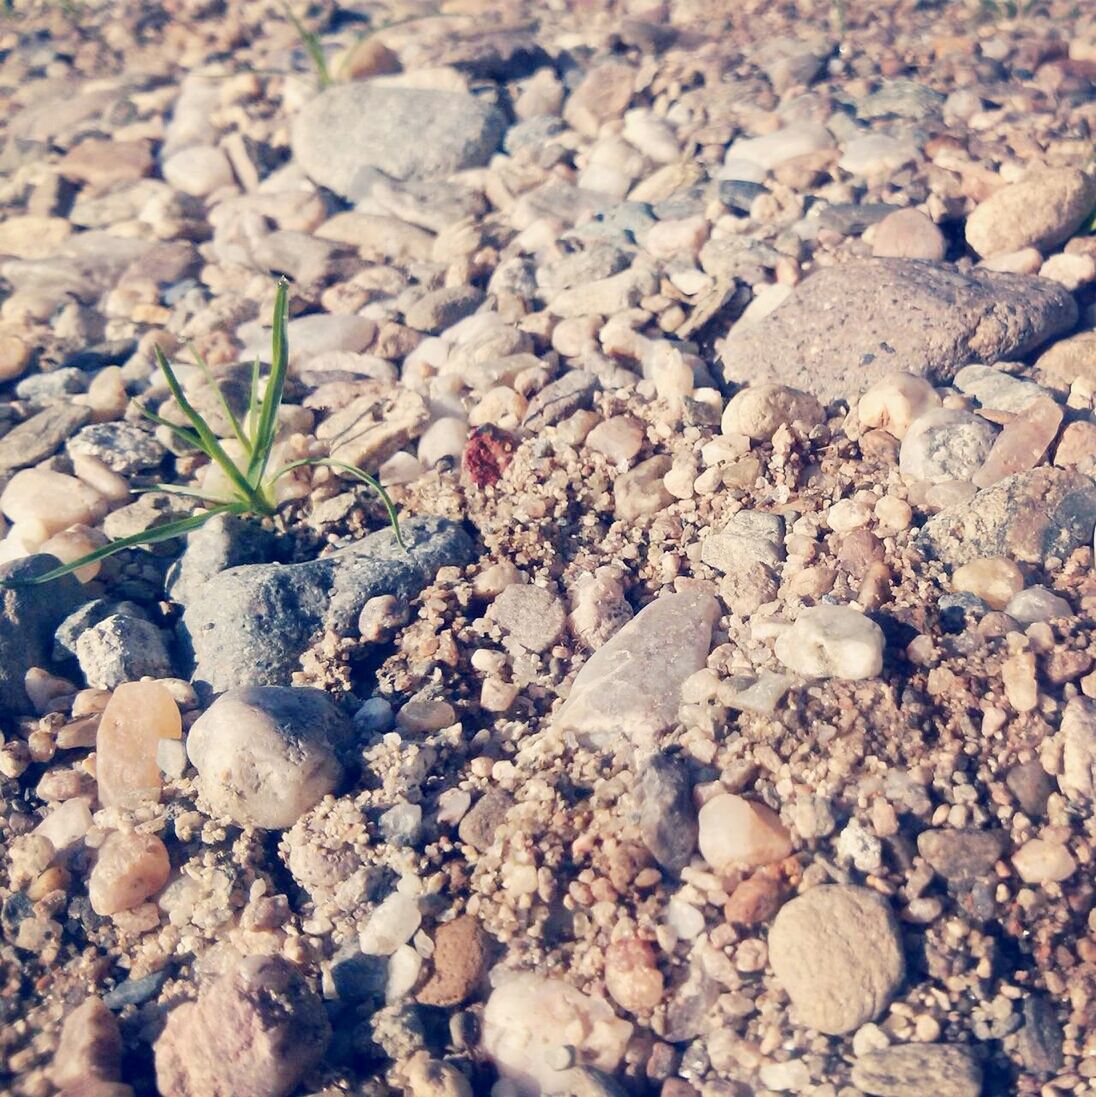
630,690
348,133
844,327
249,625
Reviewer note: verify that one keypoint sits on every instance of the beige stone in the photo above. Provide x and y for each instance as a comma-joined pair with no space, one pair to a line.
137,717
736,833
130,868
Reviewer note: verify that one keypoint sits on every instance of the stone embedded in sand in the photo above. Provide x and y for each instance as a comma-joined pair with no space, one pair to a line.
531,616
137,717
130,867
266,754
759,410
67,823
837,952
254,1031
1022,444
53,499
1038,861
630,689
903,1070
832,642
895,401
393,923
736,833
945,444
1078,777
995,579
460,955
632,977
529,1017
90,1049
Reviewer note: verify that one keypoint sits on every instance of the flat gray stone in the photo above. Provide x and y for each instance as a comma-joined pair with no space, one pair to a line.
249,625
845,327
40,436
630,690
346,134
918,1070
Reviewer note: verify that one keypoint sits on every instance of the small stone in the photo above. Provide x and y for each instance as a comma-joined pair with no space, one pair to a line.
877,154
1076,445
442,308
736,833
51,499
902,1071
1067,361
1019,677
1078,733
619,438
1022,444
528,1016
1038,861
759,410
1040,1040
1072,271
832,642
774,149
101,162
962,856
255,1029
14,357
393,923
121,649
667,818
529,615
1031,786
632,977
420,717
459,960
599,608
630,689
443,440
90,1048
137,717
895,401
604,92
996,580
267,754
749,537
640,491
943,445
199,171
1042,210
31,237
837,952
130,867
908,234
479,827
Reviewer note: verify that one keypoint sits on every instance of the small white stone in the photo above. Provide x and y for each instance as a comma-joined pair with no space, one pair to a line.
1041,862
392,924
894,401
832,642
404,967
736,833
444,438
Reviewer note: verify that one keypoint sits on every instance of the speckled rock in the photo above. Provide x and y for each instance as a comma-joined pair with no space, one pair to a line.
904,1070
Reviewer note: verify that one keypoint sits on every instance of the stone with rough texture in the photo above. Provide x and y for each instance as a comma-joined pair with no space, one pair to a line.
129,868
529,1016
121,648
837,951
1078,777
248,625
1028,517
29,617
758,411
832,642
460,956
41,435
668,823
531,616
137,717
846,326
1023,442
905,1070
630,689
945,444
962,856
347,132
1067,361
266,754
90,1048
254,1031
1041,210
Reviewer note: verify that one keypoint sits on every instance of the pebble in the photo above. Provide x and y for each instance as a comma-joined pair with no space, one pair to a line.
749,537
668,824
895,401
619,438
137,717
832,642
199,171
759,410
902,1070
748,154
1038,861
393,923
630,689
90,1048
531,616
257,1028
962,856
1041,210
1078,734
908,234
459,960
837,952
266,754
996,580
121,648
129,868
736,833
945,444
1023,442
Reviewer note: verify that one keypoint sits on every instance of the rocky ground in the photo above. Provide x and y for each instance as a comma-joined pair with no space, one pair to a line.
729,726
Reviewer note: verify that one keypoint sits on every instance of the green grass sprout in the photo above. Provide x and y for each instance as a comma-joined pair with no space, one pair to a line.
251,481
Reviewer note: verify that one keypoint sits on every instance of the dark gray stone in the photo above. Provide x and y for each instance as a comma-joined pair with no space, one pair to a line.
249,625
87,616
122,649
667,818
40,436
915,1070
487,814
225,541
1031,785
962,856
846,326
135,992
570,393
29,617
123,447
1040,1040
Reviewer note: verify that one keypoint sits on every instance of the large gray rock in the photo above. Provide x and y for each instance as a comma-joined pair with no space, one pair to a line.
249,625
1029,517
345,135
266,754
630,690
29,616
225,541
845,327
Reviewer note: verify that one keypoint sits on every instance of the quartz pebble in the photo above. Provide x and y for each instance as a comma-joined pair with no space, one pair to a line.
895,401
1078,777
1038,861
945,444
736,833
631,976
996,580
832,642
90,1049
392,923
908,234
52,500
531,616
137,717
130,867
759,410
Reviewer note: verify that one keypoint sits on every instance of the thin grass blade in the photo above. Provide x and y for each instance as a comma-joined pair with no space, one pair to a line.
207,373
364,477
253,403
263,438
189,493
185,433
209,445
311,43
153,536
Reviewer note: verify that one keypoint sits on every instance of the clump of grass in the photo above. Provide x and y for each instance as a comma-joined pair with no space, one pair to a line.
251,481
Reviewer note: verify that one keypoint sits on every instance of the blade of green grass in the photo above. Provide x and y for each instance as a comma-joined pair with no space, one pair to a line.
353,470
311,43
263,438
167,532
209,443
237,429
253,402
189,493
185,433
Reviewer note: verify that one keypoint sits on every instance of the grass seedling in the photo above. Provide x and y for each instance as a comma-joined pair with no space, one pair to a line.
313,47
250,479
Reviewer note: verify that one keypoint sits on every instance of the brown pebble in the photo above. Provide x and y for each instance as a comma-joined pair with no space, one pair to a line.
459,958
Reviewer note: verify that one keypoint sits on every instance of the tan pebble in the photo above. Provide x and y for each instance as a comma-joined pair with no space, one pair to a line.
894,401
90,1048
1039,861
71,544
1020,682
740,833
138,716
14,357
631,976
994,579
129,868
459,959
54,500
